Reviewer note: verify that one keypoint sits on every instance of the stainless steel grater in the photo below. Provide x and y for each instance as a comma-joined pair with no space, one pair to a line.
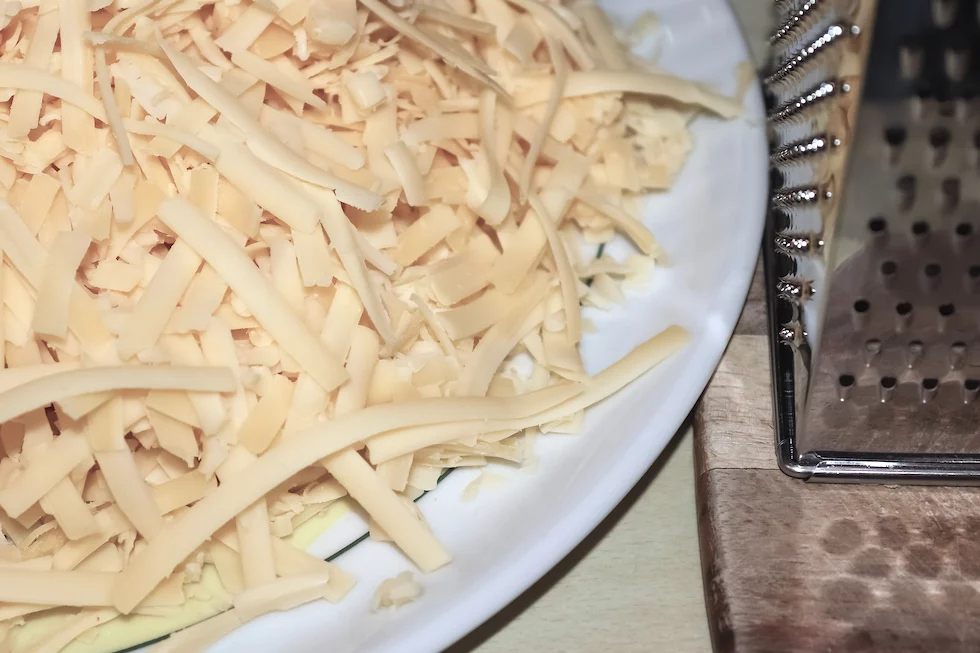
873,239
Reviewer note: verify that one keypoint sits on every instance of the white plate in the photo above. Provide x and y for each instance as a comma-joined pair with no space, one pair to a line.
711,224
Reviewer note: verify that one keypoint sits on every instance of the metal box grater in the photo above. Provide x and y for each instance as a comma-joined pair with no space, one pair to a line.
873,239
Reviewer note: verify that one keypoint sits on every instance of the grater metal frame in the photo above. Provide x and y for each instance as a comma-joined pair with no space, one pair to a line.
808,30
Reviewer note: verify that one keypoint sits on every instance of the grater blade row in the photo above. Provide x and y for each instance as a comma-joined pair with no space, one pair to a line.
873,256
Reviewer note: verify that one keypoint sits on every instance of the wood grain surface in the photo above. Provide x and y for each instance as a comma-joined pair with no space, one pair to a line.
795,567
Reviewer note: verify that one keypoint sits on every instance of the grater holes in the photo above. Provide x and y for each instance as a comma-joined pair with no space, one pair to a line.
846,380
878,226
957,353
928,389
905,187
888,271
859,313
872,347
956,58
930,275
888,382
895,136
910,57
964,230
920,232
903,309
944,12
930,383
973,278
949,190
971,387
947,310
939,137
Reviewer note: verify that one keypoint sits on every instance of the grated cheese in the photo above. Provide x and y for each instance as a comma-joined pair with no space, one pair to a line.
259,256
54,292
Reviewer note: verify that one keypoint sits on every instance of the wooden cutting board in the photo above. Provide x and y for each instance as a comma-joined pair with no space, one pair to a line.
795,567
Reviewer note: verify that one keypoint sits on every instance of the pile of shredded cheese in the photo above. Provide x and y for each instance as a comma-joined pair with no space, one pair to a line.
261,255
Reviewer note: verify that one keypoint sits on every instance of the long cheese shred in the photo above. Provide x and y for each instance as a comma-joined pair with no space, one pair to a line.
258,257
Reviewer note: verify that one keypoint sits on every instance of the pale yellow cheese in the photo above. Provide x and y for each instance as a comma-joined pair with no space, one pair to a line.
130,491
39,478
26,106
268,416
425,233
251,287
54,292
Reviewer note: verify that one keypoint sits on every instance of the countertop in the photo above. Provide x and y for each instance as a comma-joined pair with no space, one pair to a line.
634,585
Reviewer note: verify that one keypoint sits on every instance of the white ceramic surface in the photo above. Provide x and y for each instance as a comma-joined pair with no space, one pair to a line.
502,542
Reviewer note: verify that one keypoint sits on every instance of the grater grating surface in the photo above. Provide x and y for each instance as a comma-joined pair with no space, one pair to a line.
874,263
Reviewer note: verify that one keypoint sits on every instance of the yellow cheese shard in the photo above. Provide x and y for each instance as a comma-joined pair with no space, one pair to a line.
566,276
173,404
51,309
342,320
210,408
27,255
114,275
181,491
64,503
476,316
551,109
266,187
26,106
55,387
397,591
251,287
366,90
465,276
425,233
77,69
371,491
174,436
131,493
364,350
113,115
268,416
586,83
300,89
252,527
285,273
457,126
313,258
40,477
351,252
243,32
36,204
406,167
229,566
159,300
332,22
